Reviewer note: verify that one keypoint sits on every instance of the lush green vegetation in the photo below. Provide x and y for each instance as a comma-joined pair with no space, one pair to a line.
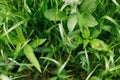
60,39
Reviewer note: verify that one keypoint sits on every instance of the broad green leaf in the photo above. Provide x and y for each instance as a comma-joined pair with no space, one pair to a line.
72,21
83,25
90,21
98,45
37,42
54,15
28,51
80,19
86,19
89,6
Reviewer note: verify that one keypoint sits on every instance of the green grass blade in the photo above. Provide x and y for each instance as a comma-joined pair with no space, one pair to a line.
13,27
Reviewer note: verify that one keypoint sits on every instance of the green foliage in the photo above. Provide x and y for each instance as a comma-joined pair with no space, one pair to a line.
86,19
98,45
28,51
37,42
54,15
89,6
59,39
72,21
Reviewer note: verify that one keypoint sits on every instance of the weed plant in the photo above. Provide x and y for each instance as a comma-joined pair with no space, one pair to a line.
60,39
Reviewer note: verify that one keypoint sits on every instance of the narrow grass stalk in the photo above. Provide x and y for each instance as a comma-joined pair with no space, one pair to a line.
88,77
112,20
116,3
63,66
114,68
12,28
87,59
61,30
50,59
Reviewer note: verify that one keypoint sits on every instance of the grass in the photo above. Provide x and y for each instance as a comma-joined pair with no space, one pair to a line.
59,40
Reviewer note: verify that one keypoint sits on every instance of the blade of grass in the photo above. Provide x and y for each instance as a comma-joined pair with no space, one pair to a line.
116,3
13,27
92,72
111,19
88,63
52,60
63,66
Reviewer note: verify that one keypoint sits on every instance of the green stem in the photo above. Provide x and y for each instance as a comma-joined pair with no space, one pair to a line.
88,63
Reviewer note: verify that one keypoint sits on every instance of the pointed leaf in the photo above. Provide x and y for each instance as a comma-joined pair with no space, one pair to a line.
20,34
37,42
90,21
98,45
86,19
72,21
82,24
85,43
80,19
28,51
